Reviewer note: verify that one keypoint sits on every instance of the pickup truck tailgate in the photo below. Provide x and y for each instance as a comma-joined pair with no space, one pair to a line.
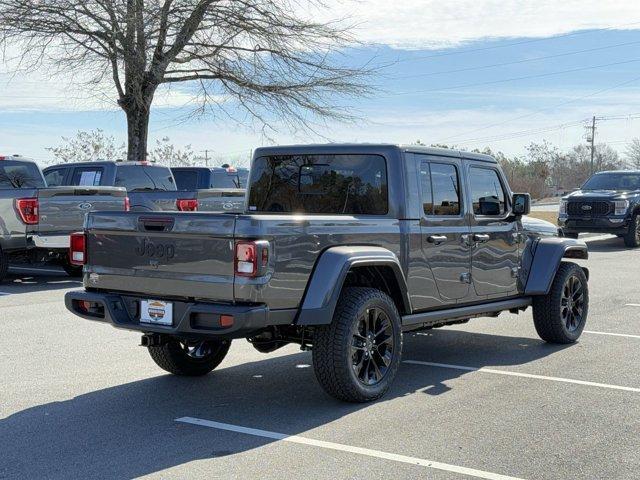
62,209
162,254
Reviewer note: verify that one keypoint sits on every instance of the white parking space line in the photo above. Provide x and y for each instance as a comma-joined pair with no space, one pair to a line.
524,375
345,448
611,334
632,304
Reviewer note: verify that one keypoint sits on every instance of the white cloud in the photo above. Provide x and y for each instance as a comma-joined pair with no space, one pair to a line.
447,23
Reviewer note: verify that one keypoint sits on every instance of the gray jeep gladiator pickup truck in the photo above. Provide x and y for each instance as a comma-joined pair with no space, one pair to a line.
36,222
341,249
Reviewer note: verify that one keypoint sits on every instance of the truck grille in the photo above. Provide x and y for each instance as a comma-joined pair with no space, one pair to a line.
593,209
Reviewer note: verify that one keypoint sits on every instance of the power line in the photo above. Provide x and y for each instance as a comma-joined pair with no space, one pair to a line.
513,79
522,42
515,62
567,102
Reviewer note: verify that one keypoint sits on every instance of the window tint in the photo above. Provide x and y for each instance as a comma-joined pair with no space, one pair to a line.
19,175
87,177
613,181
487,194
221,179
333,184
445,189
144,177
186,179
55,177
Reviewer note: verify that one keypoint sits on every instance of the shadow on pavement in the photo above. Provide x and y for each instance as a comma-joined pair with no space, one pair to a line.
129,430
27,280
613,244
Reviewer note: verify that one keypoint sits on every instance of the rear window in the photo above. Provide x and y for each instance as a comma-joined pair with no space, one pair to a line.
229,179
144,178
20,175
87,176
186,179
329,184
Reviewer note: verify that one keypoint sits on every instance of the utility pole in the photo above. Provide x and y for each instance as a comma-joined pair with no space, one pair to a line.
593,139
206,156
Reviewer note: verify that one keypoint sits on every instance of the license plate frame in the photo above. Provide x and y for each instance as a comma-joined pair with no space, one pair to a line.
156,312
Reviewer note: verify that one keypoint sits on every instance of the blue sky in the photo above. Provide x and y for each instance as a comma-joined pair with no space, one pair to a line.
443,85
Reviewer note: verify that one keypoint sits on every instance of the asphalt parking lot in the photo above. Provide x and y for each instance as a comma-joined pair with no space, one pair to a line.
483,400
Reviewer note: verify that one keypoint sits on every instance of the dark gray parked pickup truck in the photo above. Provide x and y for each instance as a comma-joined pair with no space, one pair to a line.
150,187
609,202
220,189
342,248
36,221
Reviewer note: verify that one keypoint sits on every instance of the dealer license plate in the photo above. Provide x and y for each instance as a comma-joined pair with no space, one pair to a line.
156,311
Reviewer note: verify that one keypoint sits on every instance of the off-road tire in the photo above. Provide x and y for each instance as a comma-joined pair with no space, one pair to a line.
4,265
172,357
74,271
332,346
632,238
547,309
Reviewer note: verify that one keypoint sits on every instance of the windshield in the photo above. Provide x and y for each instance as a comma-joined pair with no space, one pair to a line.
19,175
613,181
237,179
143,178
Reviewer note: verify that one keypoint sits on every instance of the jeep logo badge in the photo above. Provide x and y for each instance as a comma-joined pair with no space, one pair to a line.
85,206
155,250
586,207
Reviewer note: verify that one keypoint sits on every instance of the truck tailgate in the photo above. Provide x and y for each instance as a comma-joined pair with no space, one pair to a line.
162,254
62,209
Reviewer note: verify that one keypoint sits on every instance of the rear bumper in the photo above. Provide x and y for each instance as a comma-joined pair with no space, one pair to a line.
615,225
51,242
190,319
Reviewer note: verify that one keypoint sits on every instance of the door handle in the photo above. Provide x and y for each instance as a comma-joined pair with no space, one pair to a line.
481,238
436,239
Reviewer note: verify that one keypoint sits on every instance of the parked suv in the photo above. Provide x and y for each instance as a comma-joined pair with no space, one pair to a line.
342,249
609,202
220,189
37,221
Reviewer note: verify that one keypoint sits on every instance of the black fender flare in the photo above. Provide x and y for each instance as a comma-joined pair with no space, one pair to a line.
547,256
329,274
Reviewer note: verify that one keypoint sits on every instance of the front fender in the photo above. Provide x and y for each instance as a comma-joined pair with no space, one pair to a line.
325,285
546,259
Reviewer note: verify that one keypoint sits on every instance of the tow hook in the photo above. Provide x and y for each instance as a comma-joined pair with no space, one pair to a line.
152,340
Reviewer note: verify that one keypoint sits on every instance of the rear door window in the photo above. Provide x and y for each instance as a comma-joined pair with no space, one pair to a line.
320,184
87,176
440,189
55,177
144,178
20,175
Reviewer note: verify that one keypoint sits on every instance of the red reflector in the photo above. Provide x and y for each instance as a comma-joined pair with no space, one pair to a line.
187,204
127,204
28,210
84,305
78,249
226,321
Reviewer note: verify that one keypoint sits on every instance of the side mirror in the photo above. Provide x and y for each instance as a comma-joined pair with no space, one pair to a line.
521,203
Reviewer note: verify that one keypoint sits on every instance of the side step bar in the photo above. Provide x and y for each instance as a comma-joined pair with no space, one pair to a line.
441,317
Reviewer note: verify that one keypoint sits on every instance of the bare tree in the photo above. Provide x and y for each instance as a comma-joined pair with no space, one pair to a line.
632,153
166,153
259,58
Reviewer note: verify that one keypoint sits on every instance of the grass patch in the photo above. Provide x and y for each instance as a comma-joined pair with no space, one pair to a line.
548,216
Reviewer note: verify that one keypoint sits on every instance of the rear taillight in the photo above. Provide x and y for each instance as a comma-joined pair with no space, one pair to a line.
127,204
28,210
187,204
78,249
251,258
